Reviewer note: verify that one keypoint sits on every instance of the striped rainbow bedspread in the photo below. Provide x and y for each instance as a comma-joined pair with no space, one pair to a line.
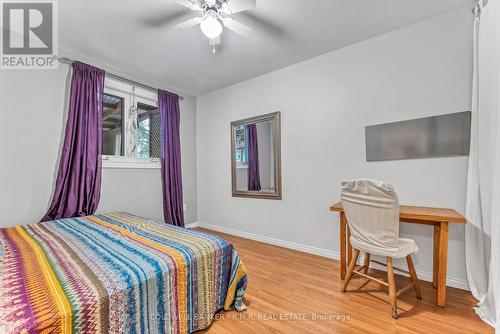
115,273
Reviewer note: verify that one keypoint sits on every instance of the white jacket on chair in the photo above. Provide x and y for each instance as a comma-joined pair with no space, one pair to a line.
372,211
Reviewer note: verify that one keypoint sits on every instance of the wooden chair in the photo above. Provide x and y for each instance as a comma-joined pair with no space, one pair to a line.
372,212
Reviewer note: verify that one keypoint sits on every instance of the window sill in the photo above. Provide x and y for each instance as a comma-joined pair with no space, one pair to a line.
241,166
109,162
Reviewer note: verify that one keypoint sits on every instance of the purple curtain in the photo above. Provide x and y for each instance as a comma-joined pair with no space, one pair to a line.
78,183
171,175
253,159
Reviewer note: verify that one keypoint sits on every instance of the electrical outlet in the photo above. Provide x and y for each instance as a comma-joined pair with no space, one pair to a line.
185,207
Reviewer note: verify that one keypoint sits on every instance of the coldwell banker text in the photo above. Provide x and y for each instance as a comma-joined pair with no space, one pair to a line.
29,35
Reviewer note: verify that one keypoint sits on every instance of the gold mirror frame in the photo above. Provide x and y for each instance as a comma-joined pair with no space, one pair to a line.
276,119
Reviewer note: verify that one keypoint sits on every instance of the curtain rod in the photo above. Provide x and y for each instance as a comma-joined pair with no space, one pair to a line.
120,78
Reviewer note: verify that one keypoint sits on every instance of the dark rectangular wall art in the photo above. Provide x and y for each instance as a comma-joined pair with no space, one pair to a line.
429,137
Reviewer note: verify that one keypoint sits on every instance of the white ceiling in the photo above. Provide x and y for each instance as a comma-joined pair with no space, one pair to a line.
137,35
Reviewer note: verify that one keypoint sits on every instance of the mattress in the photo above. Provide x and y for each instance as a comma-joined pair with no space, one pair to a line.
115,273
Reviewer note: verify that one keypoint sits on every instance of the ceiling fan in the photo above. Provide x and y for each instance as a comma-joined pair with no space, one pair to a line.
216,14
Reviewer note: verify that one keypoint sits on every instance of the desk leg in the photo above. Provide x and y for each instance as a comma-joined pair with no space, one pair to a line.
343,224
435,258
443,256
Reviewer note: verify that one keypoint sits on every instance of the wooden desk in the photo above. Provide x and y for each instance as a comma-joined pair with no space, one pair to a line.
437,217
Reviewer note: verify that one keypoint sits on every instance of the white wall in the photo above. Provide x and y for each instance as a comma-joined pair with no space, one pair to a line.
32,110
418,71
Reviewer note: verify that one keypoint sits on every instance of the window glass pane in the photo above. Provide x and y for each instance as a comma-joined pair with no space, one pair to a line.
112,139
148,132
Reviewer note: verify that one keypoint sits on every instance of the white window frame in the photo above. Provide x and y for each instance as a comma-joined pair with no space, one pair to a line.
131,95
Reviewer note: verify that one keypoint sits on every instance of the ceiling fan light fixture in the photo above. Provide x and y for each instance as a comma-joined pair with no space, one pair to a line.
211,27
216,17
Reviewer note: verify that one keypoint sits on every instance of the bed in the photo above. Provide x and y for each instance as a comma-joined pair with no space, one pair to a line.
115,273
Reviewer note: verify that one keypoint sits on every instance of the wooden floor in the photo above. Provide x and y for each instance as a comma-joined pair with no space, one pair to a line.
289,291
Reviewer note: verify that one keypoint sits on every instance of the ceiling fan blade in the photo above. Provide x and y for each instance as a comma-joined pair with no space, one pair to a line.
193,5
189,23
159,19
237,27
259,22
235,6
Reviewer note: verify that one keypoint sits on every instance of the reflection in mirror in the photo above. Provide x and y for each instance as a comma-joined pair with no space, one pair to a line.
255,155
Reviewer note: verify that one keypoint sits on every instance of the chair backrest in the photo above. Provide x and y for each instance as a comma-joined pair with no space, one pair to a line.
372,211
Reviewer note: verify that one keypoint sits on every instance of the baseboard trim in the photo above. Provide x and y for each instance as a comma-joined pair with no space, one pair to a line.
272,241
423,275
192,225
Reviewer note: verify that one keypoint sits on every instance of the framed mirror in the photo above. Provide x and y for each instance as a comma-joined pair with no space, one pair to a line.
256,157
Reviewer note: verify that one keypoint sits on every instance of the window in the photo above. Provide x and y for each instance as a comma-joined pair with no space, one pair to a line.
148,131
112,121
131,127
